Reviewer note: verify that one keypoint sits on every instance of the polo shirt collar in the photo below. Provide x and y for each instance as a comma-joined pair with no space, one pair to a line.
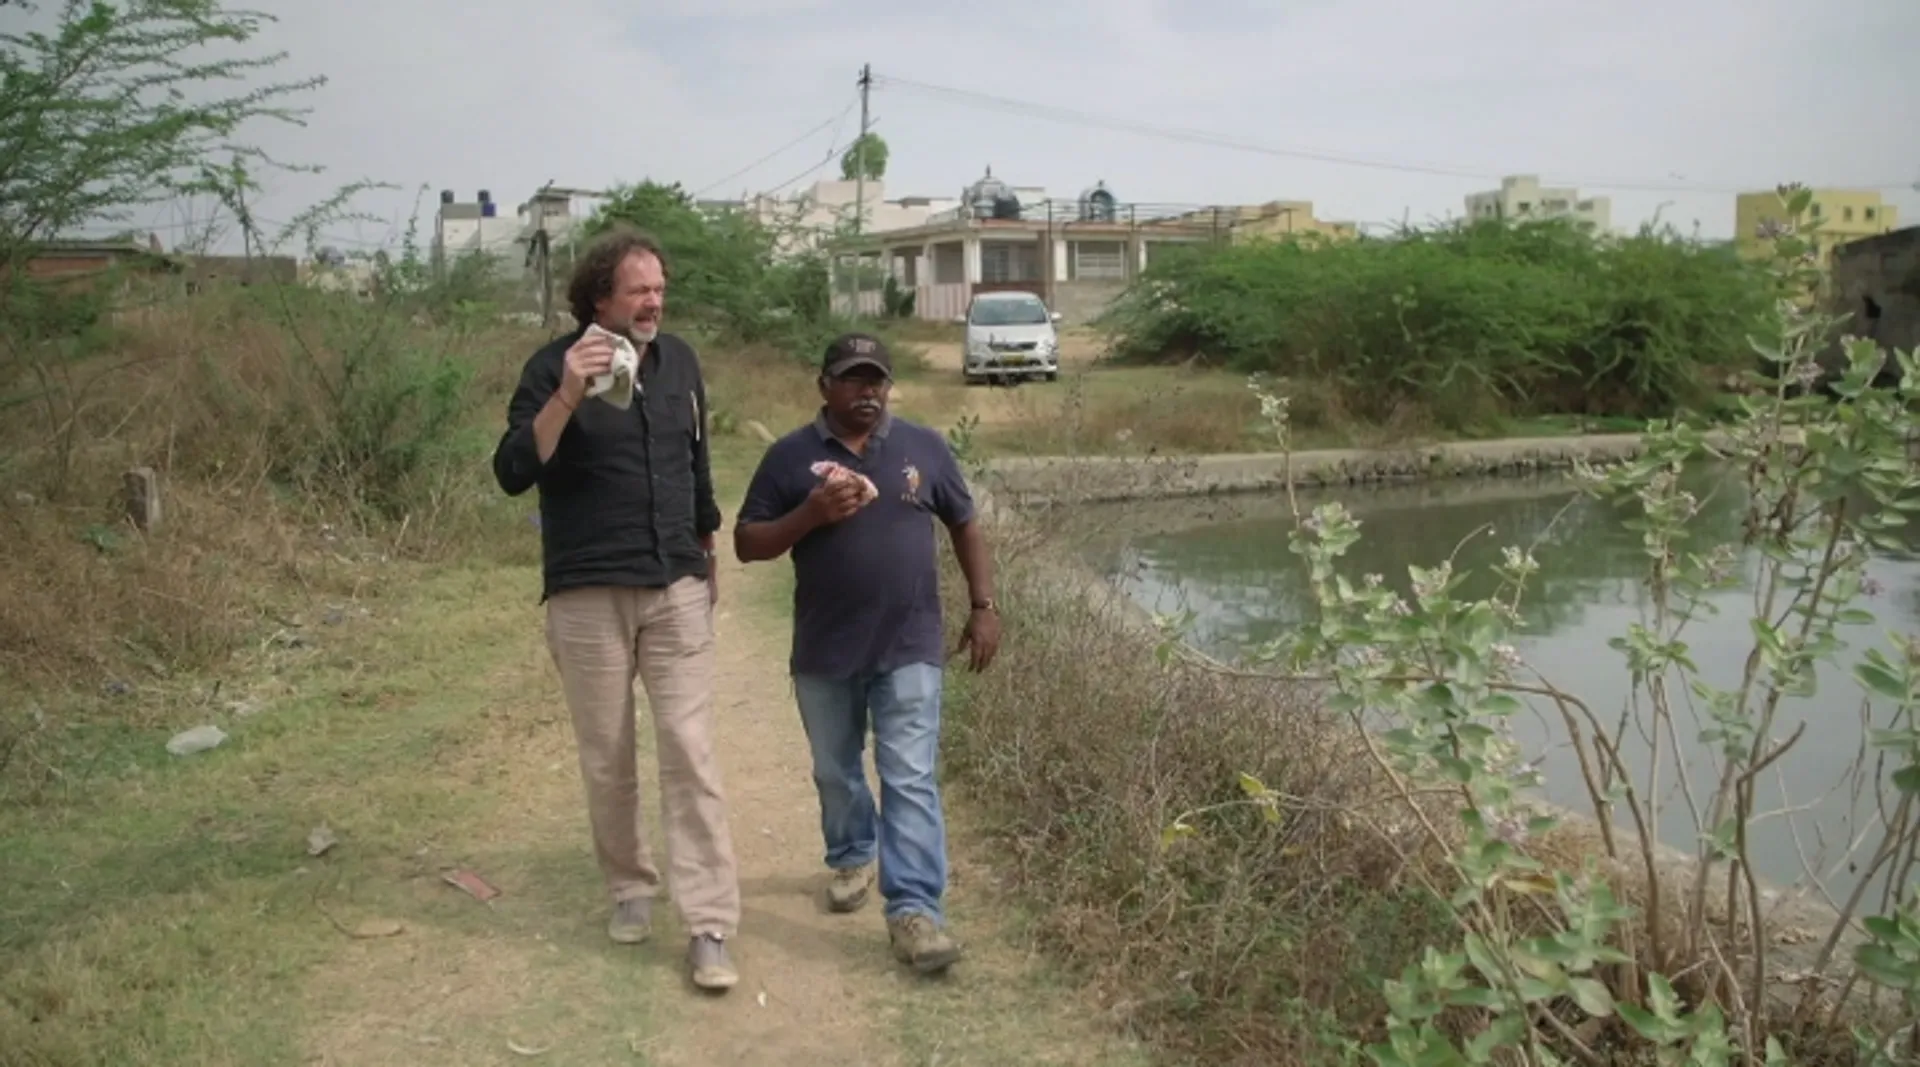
825,431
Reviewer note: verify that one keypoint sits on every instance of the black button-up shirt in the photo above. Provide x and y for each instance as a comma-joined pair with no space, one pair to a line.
627,495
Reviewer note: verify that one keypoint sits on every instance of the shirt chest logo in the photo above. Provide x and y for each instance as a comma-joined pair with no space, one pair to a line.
911,474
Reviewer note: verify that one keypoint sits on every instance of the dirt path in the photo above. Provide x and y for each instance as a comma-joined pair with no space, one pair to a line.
821,988
176,910
532,971
944,397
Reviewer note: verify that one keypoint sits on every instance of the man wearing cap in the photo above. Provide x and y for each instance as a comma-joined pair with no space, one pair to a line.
868,646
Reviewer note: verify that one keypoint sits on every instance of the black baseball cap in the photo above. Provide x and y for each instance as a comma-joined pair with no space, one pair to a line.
850,350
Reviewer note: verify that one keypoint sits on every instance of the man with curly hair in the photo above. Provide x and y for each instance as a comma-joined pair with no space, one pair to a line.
627,524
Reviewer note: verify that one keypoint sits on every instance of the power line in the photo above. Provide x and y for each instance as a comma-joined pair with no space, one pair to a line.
832,148
1072,116
755,165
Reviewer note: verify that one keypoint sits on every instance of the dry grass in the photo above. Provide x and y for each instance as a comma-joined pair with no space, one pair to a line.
279,481
1244,943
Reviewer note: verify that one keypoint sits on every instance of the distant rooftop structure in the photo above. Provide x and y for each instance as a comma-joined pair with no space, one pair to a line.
1521,198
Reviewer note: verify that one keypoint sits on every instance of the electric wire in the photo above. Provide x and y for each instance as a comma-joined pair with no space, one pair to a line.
758,163
1072,116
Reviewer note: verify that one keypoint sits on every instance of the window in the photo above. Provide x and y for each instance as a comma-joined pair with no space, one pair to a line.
1846,214
1099,259
1005,261
1872,213
1816,209
1021,311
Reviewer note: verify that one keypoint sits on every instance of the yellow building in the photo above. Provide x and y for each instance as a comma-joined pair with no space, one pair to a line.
1844,215
1273,220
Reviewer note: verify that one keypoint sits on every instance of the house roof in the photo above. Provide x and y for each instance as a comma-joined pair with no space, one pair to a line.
88,247
1029,228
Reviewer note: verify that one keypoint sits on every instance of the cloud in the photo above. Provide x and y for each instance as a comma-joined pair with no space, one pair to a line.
1715,93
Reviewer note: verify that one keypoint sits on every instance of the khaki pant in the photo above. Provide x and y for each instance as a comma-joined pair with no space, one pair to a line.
600,638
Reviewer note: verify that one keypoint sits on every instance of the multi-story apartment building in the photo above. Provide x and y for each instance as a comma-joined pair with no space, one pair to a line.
1522,198
1844,215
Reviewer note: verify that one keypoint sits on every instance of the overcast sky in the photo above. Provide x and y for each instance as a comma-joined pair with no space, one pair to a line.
1693,98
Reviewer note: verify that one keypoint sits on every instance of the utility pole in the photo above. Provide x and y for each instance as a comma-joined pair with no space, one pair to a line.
860,153
544,245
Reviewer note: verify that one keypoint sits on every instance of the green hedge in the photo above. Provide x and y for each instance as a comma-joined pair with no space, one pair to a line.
1535,319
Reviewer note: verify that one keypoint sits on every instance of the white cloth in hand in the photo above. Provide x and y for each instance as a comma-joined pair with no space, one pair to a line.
617,384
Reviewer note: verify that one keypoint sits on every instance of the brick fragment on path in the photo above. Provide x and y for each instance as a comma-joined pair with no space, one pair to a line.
475,886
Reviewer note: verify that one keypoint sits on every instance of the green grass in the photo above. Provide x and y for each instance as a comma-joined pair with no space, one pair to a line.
168,912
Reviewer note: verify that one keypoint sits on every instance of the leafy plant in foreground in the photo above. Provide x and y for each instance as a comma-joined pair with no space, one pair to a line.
1552,966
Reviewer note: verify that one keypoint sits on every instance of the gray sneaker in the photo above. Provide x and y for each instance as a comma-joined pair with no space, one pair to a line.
712,967
848,890
632,921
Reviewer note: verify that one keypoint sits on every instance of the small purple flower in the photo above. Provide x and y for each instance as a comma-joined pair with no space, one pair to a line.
1508,828
1872,587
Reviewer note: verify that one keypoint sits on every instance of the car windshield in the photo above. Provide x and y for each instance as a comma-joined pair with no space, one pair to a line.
1009,313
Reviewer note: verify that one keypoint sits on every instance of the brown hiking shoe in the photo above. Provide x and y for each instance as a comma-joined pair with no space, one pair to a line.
848,890
712,968
632,921
920,944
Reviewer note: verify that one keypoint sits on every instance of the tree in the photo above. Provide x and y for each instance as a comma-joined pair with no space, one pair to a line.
868,153
723,263
118,106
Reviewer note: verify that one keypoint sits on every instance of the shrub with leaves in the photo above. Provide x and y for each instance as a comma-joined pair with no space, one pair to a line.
1551,966
1465,322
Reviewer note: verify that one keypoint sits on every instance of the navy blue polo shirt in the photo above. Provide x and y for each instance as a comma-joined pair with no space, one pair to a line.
866,594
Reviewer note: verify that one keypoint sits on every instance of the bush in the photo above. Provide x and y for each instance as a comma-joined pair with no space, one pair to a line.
285,426
1468,321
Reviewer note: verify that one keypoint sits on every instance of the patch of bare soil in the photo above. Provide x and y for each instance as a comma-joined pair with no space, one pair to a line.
530,977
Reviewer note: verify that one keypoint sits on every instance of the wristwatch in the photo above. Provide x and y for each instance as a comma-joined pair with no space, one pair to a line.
986,605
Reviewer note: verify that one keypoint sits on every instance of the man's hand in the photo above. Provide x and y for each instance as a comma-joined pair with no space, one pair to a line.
829,502
590,357
981,638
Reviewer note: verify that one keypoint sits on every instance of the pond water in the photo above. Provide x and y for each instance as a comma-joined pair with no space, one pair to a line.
1226,560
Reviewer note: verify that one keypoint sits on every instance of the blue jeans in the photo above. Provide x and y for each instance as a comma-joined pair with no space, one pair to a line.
908,834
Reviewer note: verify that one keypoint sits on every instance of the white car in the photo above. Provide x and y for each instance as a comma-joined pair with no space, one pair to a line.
1010,335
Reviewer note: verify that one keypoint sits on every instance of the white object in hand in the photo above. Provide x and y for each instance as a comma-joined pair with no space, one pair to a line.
833,472
616,386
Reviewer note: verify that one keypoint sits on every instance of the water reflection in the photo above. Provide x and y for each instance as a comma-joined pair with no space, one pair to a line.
1227,561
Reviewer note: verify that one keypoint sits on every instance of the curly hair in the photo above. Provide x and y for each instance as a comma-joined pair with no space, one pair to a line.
592,279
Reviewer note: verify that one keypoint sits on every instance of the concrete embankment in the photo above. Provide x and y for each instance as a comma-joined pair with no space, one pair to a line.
1026,480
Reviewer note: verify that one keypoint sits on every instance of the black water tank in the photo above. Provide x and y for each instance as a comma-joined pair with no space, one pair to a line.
446,196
